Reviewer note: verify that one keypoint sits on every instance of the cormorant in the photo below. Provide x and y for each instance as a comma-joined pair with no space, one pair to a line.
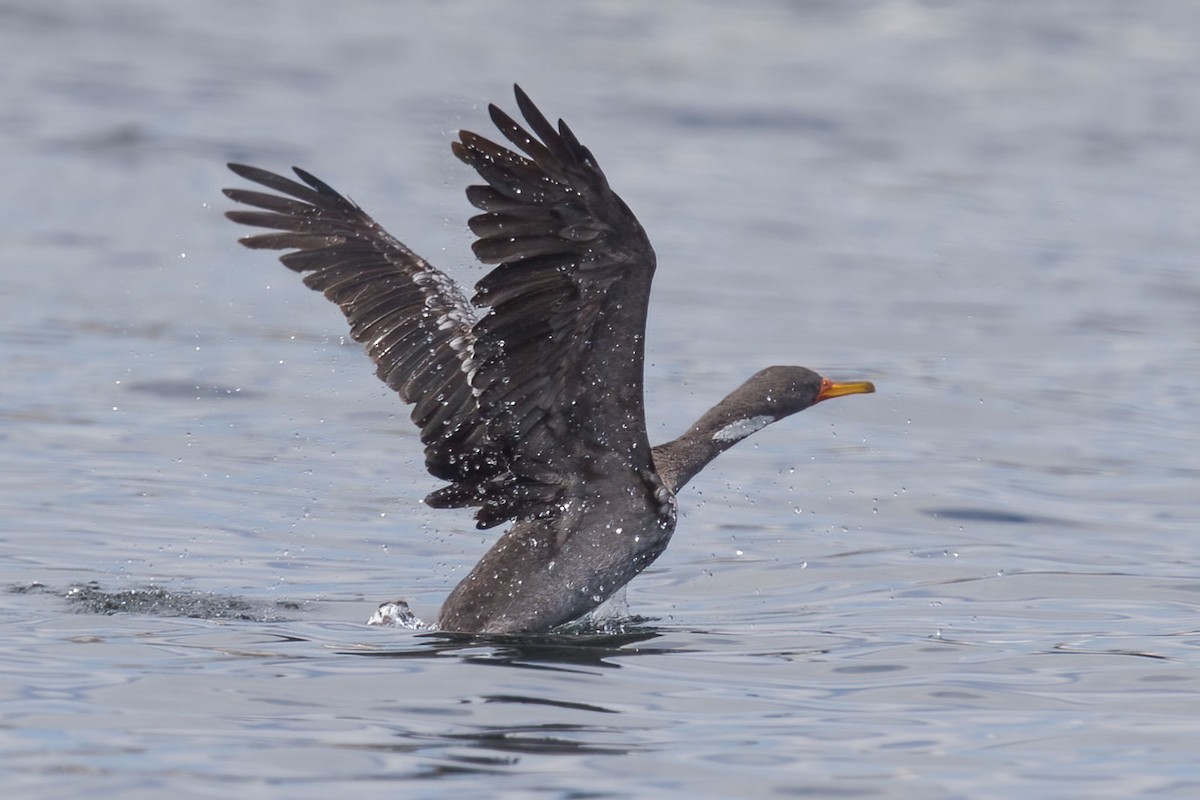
529,396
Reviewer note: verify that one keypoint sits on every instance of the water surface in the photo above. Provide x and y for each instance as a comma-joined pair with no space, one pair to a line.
980,582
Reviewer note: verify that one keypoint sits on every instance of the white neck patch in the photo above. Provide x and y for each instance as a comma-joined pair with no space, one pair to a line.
740,429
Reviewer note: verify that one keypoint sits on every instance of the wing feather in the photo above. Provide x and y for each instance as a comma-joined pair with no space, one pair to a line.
511,404
559,353
415,322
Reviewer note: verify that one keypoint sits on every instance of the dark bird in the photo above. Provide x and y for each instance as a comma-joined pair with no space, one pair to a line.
528,397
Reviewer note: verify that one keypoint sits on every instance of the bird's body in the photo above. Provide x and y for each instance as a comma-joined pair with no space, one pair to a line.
529,397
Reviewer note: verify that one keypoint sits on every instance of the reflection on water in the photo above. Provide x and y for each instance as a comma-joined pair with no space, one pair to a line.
546,651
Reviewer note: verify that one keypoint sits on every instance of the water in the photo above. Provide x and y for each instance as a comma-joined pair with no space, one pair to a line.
980,582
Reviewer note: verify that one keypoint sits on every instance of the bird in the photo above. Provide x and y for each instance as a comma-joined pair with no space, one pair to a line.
529,395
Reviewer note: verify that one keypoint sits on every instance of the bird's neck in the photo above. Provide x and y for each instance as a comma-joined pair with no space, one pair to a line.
726,424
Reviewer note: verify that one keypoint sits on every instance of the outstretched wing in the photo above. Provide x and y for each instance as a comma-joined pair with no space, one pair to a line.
543,393
414,321
559,353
